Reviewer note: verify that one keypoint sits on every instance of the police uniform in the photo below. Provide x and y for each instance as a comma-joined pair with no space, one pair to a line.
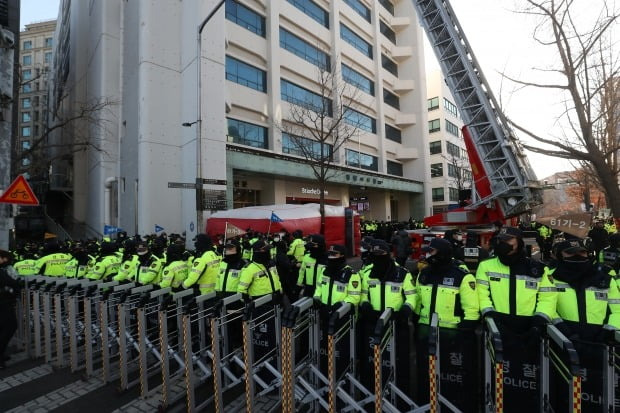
259,277
26,267
296,250
203,271
149,270
73,269
174,274
53,264
228,277
107,267
344,285
128,269
312,264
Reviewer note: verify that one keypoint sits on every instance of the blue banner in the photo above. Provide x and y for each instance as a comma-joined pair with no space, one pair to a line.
158,228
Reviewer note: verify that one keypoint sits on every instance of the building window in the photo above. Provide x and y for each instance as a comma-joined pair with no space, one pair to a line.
303,49
354,40
361,160
391,99
27,60
435,147
434,125
389,65
466,175
450,107
25,162
304,147
359,120
48,57
244,17
245,133
28,45
246,75
300,96
438,194
48,42
25,145
26,117
436,170
387,32
453,171
358,80
453,150
313,10
27,88
394,168
387,4
27,74
360,8
26,103
392,133
452,129
453,194
26,131
433,103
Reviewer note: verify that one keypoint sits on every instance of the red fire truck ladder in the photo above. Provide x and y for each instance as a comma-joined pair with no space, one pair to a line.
504,181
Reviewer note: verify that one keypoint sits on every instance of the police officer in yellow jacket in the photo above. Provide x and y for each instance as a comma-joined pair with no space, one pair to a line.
230,269
130,262
78,266
149,269
338,283
204,265
297,249
588,303
53,261
447,289
512,284
175,270
27,265
260,276
107,265
312,265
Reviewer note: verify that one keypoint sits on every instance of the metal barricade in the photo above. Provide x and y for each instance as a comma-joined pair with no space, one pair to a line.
62,319
493,368
93,336
76,294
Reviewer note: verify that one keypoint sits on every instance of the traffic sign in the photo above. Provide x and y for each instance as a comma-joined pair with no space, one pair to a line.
19,192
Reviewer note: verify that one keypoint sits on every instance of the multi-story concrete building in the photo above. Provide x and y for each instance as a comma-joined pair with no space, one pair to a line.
257,59
450,168
35,59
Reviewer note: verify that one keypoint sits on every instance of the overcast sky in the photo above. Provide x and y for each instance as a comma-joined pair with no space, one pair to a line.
501,41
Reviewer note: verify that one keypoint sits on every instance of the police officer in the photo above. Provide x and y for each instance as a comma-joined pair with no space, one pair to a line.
471,254
260,276
78,265
599,236
27,265
149,269
312,264
338,282
53,261
611,255
588,302
204,265
297,249
175,270
8,321
129,262
108,263
230,269
447,289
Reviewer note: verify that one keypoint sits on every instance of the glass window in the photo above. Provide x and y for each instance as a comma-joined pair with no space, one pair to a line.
394,168
434,125
48,57
48,42
300,96
453,193
466,174
436,170
453,149
387,32
438,194
303,49
245,133
27,88
392,133
25,162
25,145
433,103
354,40
435,147
313,10
28,45
391,99
361,160
246,75
453,171
360,8
27,60
304,147
389,65
244,17
26,103
27,74
26,117
358,80
387,4
452,128
26,131
359,120
450,107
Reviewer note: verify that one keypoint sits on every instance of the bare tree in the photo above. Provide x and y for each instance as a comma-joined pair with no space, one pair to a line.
318,127
588,79
459,172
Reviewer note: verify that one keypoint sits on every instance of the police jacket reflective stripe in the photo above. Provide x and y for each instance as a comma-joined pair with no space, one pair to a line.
26,267
257,279
150,271
105,268
394,290
309,271
73,269
53,264
228,277
343,287
203,271
128,270
297,249
174,274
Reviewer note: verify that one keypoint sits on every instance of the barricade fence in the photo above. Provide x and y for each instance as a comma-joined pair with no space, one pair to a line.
205,351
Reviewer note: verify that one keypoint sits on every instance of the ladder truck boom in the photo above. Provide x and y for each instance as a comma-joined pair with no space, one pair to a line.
504,182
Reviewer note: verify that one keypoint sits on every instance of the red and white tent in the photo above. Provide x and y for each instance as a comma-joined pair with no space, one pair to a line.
304,217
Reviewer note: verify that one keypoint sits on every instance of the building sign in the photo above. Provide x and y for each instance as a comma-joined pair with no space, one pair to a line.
360,204
313,191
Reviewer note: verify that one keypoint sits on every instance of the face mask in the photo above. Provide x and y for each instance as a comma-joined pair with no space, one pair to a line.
362,250
577,263
282,234
459,238
276,239
142,252
261,257
230,252
503,249
220,242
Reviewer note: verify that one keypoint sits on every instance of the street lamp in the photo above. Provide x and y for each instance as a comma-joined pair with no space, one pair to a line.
199,211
